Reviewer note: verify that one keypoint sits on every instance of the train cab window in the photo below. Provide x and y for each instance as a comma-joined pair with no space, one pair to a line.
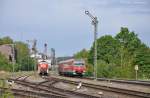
79,64
65,64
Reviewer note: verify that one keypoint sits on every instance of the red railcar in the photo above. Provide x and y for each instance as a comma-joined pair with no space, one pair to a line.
72,67
43,68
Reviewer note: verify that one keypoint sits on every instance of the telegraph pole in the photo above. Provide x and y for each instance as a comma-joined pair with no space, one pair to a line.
45,51
95,24
53,59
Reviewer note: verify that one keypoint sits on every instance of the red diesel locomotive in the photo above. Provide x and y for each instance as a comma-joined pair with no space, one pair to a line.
72,67
43,68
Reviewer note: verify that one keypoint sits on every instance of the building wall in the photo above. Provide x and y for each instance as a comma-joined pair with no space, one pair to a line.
7,51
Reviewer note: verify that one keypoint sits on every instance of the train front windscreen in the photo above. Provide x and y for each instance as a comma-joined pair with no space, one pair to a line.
78,64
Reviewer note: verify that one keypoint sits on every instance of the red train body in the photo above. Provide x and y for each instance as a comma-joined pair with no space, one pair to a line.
43,68
72,67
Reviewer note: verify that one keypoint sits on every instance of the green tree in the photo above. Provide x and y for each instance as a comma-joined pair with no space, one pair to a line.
128,40
4,63
143,60
132,51
106,50
1,42
6,40
83,54
118,55
107,55
23,58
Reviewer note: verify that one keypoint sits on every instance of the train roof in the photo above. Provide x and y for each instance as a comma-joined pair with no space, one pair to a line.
65,61
73,60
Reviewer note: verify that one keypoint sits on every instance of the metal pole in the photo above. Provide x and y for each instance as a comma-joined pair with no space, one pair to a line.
29,53
136,70
136,74
95,52
28,56
35,65
95,23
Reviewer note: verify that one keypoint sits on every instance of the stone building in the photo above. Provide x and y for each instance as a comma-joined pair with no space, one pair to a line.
7,50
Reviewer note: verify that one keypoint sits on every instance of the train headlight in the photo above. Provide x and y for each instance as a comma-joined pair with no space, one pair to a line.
74,70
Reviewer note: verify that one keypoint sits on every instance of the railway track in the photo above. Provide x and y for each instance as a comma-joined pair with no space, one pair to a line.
134,82
123,81
47,87
36,87
30,93
139,94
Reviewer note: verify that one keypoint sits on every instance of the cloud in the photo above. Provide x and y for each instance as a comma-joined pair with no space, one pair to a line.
119,6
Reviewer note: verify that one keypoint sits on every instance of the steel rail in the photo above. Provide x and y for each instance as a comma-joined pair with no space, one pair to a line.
31,94
110,89
52,89
37,87
136,82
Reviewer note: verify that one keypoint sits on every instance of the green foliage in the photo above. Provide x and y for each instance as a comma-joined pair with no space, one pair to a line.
118,55
23,60
134,52
81,54
128,39
6,92
89,70
143,60
4,63
6,40
106,70
106,49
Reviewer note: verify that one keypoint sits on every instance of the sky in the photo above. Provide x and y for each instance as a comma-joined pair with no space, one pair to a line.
63,25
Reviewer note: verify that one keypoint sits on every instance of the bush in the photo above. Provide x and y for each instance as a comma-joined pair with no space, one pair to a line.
89,70
4,63
105,70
